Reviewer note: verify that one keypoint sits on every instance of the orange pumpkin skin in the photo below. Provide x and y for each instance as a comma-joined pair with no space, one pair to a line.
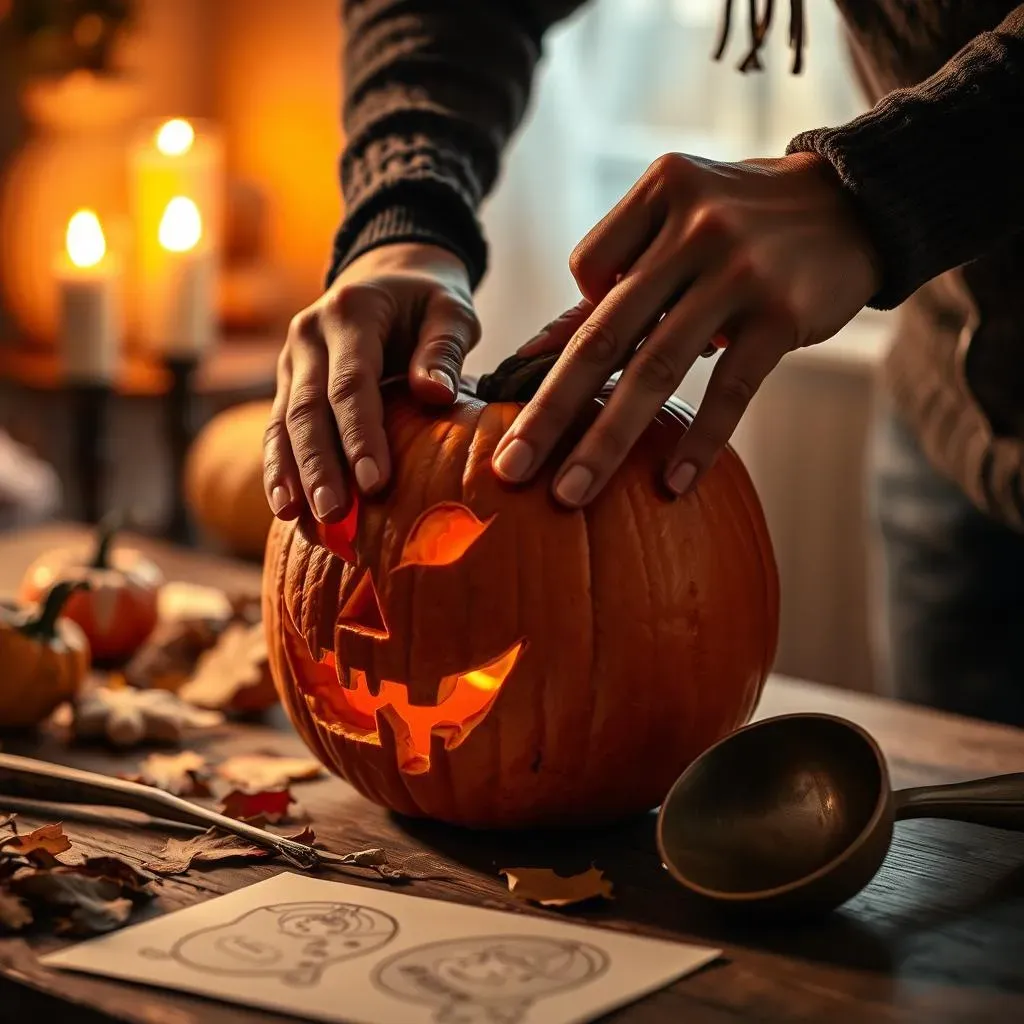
648,626
45,661
119,609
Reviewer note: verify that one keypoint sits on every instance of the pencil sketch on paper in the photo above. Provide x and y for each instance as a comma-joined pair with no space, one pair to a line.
489,979
296,942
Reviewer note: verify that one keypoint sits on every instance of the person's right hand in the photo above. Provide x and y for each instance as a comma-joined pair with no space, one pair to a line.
400,308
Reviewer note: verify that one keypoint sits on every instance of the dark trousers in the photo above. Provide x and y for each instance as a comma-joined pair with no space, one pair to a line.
951,587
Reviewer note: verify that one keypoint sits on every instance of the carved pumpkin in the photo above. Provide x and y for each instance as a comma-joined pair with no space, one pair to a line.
472,652
45,658
118,610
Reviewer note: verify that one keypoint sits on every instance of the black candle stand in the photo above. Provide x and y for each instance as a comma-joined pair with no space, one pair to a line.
90,447
180,427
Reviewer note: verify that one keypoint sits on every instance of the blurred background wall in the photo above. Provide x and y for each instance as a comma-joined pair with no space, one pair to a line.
622,82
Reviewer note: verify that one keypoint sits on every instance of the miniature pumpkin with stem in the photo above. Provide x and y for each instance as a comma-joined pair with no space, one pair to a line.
119,608
45,657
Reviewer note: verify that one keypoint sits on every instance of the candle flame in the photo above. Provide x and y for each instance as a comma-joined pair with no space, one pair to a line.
175,137
181,226
85,242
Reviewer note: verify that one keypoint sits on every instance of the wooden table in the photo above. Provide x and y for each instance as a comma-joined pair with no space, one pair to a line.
937,937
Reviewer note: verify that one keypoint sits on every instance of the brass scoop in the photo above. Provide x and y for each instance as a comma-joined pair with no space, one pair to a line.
794,815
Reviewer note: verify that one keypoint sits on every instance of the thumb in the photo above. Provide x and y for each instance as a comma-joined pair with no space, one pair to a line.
448,331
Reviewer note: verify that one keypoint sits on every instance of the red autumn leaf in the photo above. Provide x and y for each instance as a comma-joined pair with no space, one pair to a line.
48,838
271,805
212,847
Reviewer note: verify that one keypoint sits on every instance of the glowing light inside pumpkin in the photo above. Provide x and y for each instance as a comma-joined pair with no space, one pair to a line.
442,535
181,226
463,701
85,242
361,613
175,137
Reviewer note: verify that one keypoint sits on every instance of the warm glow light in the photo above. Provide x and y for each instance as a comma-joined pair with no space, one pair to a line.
463,701
175,137
85,241
442,535
181,226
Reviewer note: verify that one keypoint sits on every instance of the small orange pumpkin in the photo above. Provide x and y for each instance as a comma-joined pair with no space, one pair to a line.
118,610
45,657
469,651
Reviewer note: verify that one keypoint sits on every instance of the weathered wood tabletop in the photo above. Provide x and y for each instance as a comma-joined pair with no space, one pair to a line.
937,937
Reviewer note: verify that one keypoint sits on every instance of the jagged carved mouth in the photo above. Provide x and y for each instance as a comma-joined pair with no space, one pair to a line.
463,701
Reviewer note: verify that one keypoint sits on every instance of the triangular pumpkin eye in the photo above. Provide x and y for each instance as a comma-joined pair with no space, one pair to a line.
361,613
341,537
442,535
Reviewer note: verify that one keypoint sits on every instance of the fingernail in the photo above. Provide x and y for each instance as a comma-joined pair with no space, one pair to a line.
367,473
573,487
514,461
443,379
279,499
325,501
680,479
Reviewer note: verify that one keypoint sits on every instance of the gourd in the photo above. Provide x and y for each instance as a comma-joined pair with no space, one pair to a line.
466,650
44,657
119,608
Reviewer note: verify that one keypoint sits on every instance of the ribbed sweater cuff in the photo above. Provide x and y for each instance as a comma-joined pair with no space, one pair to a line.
412,212
935,169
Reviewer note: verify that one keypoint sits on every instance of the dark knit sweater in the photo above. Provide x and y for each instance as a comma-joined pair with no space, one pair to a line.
435,88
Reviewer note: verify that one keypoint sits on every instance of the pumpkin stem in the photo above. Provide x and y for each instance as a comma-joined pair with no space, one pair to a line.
108,527
516,378
43,625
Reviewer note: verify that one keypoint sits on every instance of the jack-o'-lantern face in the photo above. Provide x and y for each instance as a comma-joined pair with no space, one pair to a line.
473,652
441,537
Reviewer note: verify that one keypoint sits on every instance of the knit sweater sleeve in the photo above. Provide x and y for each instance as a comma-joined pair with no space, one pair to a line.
936,168
433,90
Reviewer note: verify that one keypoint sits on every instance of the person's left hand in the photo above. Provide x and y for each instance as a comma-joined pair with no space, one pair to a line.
765,254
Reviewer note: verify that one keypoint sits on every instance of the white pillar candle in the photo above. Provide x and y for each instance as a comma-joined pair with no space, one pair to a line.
89,287
184,316
168,160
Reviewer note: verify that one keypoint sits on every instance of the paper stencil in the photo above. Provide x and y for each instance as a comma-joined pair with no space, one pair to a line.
337,952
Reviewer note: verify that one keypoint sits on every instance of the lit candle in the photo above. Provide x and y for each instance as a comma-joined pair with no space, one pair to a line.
184,311
88,281
169,160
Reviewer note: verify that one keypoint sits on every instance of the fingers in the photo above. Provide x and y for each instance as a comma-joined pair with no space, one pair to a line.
651,376
355,324
448,331
310,423
280,474
601,345
553,337
745,362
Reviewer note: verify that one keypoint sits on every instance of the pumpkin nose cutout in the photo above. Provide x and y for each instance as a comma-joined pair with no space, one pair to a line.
361,613
442,535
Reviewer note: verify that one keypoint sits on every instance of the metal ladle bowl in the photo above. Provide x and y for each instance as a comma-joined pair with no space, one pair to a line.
794,815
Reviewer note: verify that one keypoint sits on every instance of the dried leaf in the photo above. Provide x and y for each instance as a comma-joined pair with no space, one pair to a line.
7,821
14,913
128,716
233,675
180,774
271,805
212,847
47,838
255,773
168,658
183,601
83,899
543,886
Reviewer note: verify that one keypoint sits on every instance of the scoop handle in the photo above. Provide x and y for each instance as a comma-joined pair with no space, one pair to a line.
997,801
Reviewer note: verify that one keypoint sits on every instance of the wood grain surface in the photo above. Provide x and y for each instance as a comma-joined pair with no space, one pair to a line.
937,937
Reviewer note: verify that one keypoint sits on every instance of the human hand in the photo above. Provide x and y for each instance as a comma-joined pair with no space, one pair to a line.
399,308
766,254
